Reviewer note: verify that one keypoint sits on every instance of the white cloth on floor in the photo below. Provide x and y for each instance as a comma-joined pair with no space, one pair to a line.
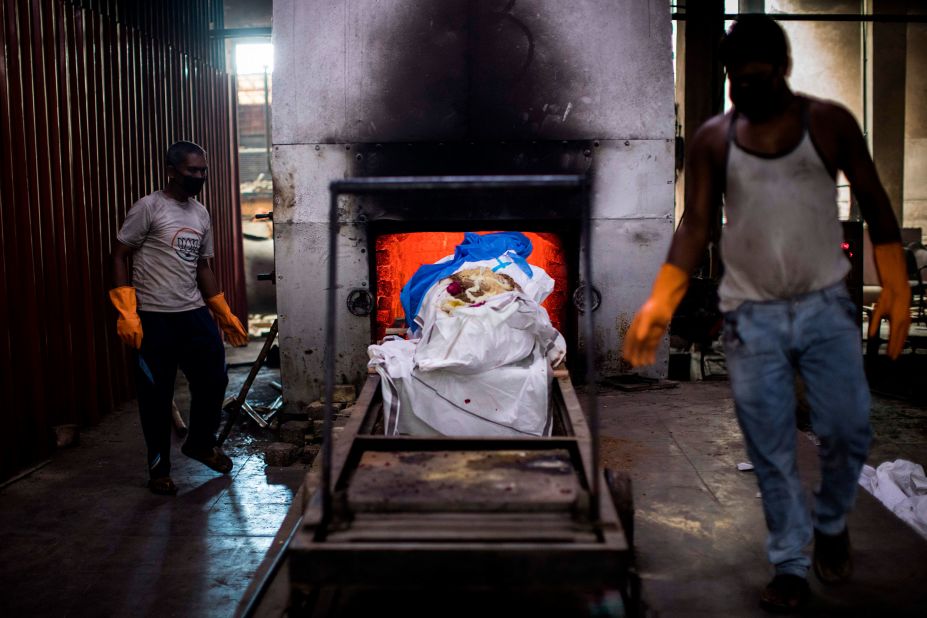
902,487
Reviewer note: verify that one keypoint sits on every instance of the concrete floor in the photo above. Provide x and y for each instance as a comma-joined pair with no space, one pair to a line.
82,536
699,523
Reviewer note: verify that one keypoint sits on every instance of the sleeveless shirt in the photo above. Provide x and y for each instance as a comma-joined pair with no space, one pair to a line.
782,236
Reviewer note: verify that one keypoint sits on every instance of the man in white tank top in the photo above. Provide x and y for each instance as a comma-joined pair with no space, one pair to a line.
775,159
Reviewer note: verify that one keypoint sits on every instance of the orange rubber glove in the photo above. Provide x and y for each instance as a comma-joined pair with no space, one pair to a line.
649,325
895,300
128,325
230,325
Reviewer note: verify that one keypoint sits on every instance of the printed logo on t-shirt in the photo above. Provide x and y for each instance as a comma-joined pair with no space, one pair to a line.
186,244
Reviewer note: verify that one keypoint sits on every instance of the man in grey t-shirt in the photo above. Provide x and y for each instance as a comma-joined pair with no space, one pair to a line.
169,238
163,314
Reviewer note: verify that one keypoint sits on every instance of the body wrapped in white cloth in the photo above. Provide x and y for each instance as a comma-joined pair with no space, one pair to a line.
479,362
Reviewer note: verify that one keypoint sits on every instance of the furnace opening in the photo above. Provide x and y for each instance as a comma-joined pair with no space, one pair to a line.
399,255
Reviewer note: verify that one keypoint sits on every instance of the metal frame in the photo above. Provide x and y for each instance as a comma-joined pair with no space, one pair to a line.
234,405
352,532
573,183
568,548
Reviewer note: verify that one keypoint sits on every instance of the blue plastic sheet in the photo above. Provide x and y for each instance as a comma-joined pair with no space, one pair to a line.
475,247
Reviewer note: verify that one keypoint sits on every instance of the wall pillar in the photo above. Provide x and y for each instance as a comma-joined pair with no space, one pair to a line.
702,83
886,73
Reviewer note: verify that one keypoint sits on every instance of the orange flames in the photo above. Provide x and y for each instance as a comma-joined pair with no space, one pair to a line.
399,256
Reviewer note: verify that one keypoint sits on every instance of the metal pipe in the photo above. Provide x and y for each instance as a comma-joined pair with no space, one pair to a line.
591,377
330,322
864,43
426,183
267,136
240,33
24,474
852,17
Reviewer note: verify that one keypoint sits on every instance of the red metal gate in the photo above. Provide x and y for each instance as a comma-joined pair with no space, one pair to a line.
92,92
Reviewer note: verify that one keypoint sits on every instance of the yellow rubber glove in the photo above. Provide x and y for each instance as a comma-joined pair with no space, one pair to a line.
649,325
895,300
230,325
128,325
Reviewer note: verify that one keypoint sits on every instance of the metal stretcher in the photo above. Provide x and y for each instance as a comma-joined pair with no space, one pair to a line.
516,518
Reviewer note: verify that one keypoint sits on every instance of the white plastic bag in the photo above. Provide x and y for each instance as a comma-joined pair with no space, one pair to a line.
393,362
478,370
509,400
503,330
537,287
901,486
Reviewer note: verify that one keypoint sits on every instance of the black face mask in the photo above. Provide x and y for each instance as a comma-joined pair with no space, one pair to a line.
757,99
191,185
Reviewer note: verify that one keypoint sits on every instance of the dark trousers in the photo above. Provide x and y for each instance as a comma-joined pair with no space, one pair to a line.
189,340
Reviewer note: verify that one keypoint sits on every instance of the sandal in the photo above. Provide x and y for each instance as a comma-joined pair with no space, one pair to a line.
163,486
213,458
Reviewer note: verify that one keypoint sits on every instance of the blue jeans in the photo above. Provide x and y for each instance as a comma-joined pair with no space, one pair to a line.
765,344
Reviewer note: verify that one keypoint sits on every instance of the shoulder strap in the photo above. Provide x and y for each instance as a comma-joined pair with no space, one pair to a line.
830,166
806,115
732,128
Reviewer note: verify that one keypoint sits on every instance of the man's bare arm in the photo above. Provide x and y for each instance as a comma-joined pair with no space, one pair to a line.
703,195
206,279
119,256
856,163
895,299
